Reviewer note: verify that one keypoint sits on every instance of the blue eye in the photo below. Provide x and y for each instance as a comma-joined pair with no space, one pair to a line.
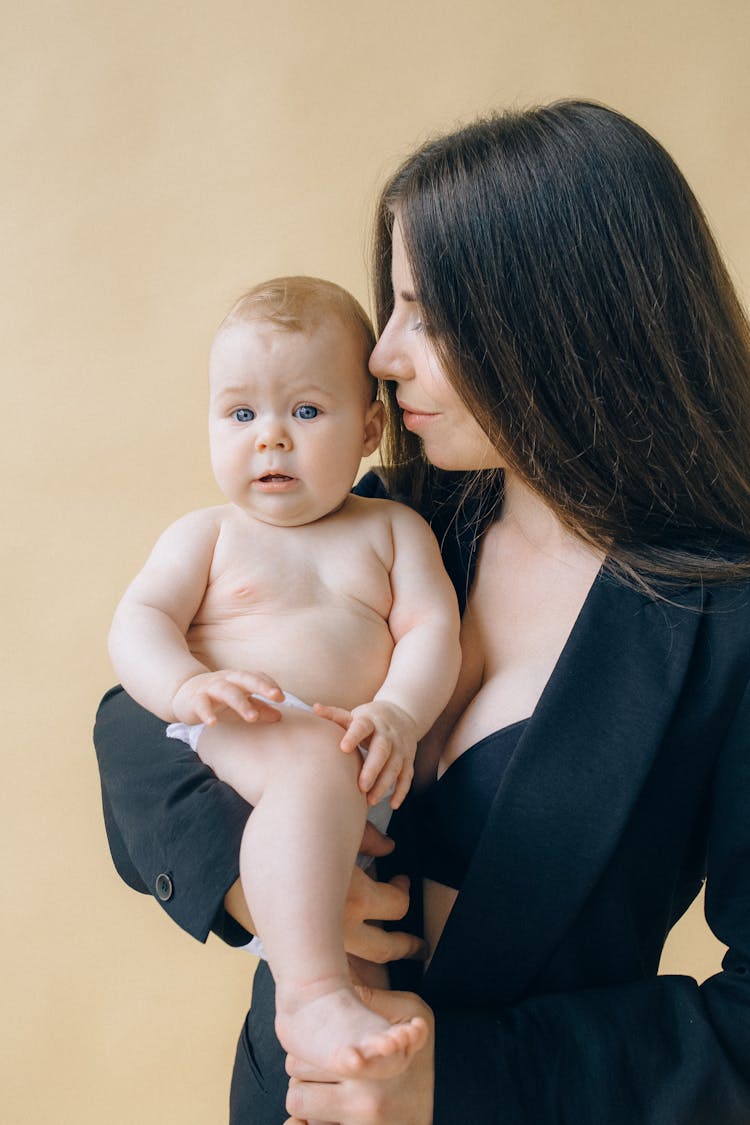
244,414
306,412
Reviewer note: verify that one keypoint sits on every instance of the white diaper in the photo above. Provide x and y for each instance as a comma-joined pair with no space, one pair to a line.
379,814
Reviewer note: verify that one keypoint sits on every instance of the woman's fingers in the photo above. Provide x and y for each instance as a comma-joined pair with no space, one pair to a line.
305,1101
379,902
381,946
374,842
370,902
299,1068
299,1121
371,942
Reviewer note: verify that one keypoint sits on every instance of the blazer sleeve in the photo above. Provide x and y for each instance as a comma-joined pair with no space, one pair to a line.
664,1051
174,829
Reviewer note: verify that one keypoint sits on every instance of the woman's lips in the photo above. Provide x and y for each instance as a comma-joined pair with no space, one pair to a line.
415,419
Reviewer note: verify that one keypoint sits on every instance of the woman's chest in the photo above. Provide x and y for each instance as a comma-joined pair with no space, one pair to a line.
520,613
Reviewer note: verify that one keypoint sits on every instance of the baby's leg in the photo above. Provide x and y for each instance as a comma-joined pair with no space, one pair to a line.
296,861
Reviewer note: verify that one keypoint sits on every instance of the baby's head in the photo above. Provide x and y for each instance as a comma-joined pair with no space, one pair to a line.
293,406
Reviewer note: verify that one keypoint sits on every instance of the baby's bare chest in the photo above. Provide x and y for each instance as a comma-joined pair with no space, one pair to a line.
288,573
308,610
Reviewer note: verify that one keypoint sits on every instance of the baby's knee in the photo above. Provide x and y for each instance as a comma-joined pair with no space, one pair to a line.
320,741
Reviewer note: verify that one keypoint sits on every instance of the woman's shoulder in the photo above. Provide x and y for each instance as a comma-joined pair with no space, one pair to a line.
372,485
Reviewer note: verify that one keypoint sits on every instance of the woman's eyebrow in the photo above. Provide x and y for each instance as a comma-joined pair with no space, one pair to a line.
408,296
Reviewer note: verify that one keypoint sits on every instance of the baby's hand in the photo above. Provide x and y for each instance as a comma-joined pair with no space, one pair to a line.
202,697
389,735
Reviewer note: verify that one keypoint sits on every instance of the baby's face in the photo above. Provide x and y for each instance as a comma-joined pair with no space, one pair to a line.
290,419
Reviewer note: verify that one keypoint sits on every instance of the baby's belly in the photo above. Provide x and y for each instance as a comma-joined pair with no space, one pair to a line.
336,656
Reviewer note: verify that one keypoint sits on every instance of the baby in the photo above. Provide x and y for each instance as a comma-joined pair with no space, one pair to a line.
297,592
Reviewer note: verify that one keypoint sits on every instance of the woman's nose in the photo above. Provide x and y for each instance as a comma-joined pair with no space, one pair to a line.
389,359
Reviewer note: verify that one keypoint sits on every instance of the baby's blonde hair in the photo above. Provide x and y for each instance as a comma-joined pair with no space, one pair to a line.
301,304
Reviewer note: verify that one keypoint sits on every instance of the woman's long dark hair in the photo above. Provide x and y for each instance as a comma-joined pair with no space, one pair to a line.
571,286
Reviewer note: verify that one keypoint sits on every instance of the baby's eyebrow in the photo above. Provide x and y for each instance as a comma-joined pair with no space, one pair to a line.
232,392
313,391
301,391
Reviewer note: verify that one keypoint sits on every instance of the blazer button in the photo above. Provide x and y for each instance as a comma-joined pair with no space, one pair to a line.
164,887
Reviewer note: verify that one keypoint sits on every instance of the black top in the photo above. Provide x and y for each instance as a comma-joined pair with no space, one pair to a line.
453,811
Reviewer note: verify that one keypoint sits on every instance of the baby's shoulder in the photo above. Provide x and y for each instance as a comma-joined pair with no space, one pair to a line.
389,513
395,531
214,517
199,525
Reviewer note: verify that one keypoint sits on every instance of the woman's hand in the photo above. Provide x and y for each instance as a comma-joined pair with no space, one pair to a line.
405,1098
367,903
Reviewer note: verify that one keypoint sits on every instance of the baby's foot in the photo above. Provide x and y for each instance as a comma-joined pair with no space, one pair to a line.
327,1025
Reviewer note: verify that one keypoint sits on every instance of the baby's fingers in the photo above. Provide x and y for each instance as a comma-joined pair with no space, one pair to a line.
378,756
359,731
403,785
264,712
229,695
257,683
338,715
205,712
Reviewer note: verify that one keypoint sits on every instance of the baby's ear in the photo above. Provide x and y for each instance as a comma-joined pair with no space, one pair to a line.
374,422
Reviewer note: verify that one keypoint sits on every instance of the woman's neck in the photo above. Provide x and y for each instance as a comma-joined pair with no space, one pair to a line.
524,513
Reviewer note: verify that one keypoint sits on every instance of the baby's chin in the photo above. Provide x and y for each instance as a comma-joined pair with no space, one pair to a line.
277,510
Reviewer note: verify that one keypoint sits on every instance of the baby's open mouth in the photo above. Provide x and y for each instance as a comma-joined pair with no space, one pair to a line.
270,478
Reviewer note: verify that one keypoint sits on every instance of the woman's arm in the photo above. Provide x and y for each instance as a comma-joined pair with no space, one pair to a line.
174,831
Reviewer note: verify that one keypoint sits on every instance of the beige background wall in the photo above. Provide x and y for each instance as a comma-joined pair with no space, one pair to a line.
156,158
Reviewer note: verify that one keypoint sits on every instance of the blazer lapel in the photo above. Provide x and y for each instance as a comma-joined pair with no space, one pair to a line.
567,793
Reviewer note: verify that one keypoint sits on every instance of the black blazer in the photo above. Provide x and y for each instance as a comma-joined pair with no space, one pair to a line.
629,784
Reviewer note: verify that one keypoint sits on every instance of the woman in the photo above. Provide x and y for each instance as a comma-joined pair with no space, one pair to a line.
571,374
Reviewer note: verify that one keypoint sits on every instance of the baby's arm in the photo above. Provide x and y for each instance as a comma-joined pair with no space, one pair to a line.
424,622
469,682
147,639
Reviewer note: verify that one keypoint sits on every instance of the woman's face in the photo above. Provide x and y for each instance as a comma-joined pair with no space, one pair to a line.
451,436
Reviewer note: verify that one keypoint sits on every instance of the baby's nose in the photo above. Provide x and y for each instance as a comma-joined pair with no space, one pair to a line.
273,436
